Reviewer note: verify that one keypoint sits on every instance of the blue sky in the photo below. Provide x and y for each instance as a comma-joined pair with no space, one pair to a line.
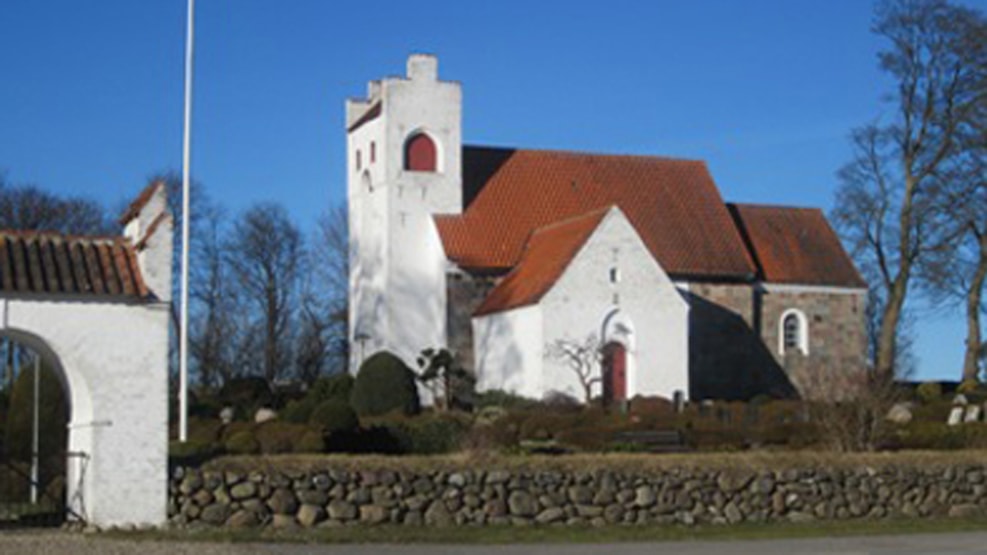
765,91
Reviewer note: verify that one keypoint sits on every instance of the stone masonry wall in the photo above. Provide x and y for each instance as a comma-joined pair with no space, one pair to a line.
727,357
684,495
465,293
734,341
837,338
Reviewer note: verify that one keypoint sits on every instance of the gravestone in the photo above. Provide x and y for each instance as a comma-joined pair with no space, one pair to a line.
972,414
955,416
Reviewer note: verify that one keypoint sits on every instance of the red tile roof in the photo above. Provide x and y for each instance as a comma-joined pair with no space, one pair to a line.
545,258
795,245
673,204
45,263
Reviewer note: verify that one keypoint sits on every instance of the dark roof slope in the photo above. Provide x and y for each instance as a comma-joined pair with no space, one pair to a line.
673,204
45,263
795,245
545,258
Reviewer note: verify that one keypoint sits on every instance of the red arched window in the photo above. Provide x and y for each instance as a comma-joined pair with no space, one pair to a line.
419,154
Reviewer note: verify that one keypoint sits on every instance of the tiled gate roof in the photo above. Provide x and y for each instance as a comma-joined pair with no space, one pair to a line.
47,263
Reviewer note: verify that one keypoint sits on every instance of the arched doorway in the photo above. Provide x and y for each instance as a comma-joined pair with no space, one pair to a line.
614,373
34,417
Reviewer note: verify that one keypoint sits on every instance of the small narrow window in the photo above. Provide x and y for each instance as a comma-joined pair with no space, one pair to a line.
791,331
614,275
373,152
358,164
794,333
420,154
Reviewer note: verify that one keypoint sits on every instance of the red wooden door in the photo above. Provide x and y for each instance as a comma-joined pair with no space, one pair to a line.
614,373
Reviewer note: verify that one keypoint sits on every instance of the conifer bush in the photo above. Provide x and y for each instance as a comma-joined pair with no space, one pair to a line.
383,385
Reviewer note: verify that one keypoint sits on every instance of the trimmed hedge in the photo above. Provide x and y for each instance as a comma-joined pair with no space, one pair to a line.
336,387
334,416
384,385
242,443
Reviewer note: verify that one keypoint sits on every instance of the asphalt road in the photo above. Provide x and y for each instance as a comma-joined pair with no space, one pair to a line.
17,543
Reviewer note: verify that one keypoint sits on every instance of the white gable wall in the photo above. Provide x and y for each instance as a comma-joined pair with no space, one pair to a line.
511,346
583,297
508,351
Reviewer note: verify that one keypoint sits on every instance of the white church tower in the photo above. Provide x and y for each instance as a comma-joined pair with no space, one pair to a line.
403,166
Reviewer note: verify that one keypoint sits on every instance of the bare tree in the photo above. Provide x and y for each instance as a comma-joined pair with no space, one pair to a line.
329,282
28,207
266,253
214,321
957,275
313,339
584,358
888,205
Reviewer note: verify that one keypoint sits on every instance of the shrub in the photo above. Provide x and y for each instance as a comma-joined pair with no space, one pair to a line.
234,428
489,415
275,437
968,386
430,434
503,399
193,451
338,386
311,441
298,411
334,416
560,400
204,430
653,408
242,443
932,435
929,392
385,384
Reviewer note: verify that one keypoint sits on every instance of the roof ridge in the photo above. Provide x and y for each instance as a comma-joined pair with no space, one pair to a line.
47,233
773,206
584,153
569,220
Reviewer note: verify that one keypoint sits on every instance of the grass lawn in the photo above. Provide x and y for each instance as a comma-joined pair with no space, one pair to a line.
562,534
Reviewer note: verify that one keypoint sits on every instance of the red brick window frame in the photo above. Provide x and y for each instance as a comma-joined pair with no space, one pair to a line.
420,154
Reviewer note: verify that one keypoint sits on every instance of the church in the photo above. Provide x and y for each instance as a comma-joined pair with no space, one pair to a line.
507,255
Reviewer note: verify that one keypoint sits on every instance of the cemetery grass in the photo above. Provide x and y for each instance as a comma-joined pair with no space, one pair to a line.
392,534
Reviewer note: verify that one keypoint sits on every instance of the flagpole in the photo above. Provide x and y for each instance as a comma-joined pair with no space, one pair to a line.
186,156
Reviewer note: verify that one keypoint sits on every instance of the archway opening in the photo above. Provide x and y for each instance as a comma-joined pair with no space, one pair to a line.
614,373
34,414
420,154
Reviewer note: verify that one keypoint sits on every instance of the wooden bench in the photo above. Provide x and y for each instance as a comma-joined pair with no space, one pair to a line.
653,441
